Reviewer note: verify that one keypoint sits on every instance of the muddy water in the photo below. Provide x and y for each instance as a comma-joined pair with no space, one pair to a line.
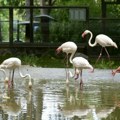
51,99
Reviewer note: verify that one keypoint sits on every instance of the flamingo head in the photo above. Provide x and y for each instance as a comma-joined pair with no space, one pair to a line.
115,45
58,50
91,68
84,33
113,73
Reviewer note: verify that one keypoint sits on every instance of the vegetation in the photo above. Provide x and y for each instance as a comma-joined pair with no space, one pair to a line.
58,61
63,29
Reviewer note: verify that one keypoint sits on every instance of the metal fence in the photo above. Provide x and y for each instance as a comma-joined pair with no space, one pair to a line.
48,30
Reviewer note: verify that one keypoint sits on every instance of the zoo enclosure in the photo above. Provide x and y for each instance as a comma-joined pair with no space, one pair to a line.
59,29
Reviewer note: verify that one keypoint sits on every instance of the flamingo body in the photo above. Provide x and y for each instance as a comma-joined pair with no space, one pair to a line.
81,63
11,63
67,47
105,41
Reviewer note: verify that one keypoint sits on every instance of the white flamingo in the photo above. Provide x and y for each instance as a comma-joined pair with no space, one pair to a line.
102,40
11,64
80,63
68,48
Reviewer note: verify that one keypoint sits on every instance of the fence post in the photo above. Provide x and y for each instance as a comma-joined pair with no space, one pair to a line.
11,26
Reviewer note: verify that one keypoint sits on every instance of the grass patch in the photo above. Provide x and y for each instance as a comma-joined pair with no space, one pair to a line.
105,64
52,61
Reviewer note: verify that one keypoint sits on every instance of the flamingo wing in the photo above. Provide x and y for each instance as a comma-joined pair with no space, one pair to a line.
104,40
80,62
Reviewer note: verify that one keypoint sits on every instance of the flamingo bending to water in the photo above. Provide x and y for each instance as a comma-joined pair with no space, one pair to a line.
116,71
102,40
80,63
68,48
11,64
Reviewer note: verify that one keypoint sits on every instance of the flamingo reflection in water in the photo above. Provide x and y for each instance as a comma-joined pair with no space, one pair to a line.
11,106
11,64
75,105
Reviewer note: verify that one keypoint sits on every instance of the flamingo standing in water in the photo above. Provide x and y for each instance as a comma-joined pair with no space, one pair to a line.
11,64
102,40
116,71
80,63
68,48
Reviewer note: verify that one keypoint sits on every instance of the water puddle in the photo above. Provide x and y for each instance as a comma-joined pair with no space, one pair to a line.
54,100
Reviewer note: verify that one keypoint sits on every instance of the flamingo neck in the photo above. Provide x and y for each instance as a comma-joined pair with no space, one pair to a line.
4,72
90,39
26,75
72,57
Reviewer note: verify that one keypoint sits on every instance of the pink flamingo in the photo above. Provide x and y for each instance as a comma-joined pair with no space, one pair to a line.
102,40
11,64
80,63
68,48
116,71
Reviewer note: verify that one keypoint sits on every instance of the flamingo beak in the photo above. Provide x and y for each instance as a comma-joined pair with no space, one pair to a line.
92,70
58,50
77,76
83,35
113,73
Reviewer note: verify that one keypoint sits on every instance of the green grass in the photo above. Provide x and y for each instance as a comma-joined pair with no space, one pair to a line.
105,64
57,61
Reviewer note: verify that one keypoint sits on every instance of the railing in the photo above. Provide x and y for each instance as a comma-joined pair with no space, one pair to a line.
70,28
31,22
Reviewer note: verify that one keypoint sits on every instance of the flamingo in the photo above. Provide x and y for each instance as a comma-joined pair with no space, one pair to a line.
13,63
80,63
116,71
68,48
102,40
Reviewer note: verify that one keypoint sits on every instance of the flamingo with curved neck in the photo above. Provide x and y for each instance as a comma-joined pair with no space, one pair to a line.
68,48
11,64
102,40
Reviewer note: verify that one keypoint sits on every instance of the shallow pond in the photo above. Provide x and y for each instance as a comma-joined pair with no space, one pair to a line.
52,99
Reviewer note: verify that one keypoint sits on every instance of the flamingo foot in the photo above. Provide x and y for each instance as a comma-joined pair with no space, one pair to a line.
92,70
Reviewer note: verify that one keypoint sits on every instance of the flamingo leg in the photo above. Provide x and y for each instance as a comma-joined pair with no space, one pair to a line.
76,74
10,75
81,81
99,55
13,76
9,82
66,69
107,53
